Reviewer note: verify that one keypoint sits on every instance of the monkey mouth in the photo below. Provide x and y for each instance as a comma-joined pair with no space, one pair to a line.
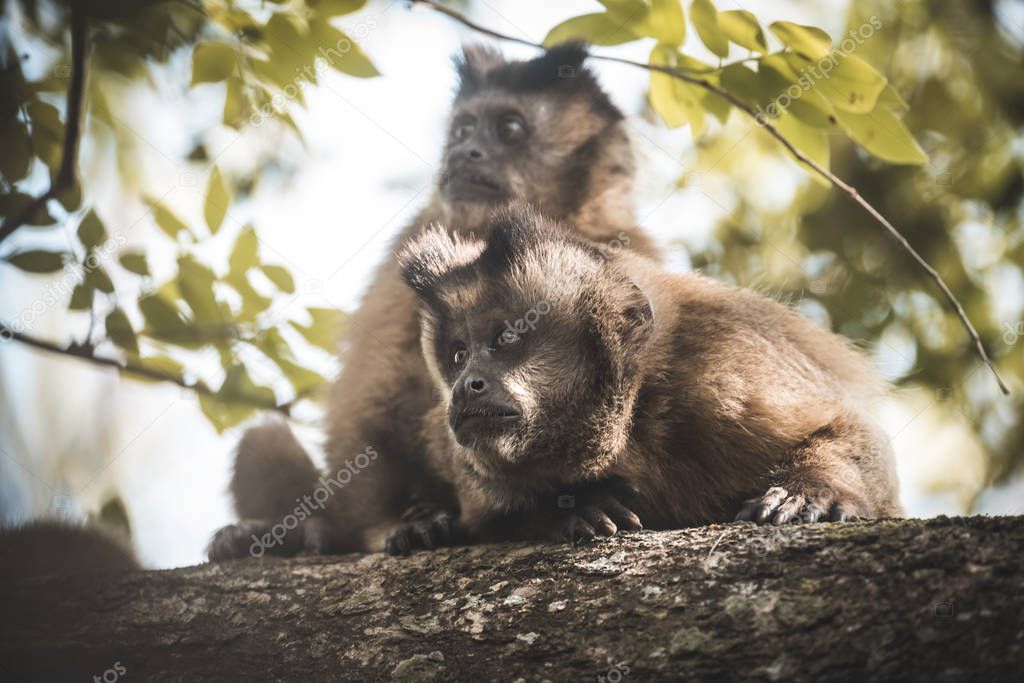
468,185
485,418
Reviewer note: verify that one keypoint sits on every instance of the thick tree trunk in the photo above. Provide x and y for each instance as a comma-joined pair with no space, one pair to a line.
939,599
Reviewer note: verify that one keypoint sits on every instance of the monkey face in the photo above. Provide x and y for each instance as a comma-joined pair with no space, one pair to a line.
532,338
525,130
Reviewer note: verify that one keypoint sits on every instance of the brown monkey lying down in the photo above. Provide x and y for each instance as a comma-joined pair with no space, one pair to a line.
566,367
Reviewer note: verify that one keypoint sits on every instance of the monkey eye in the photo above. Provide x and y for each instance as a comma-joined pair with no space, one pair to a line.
511,129
462,130
459,355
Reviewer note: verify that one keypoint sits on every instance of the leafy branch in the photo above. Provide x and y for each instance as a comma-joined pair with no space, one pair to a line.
65,178
86,352
688,76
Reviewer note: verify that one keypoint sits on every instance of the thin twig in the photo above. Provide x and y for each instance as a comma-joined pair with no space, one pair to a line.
681,75
66,177
85,352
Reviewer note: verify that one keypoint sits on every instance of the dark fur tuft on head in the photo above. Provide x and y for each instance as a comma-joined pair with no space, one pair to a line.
560,68
513,228
432,255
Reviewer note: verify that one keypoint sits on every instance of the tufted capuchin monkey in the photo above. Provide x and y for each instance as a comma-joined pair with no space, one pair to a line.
562,363
542,130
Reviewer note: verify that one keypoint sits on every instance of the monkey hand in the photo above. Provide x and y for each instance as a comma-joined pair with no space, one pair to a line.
594,508
424,527
797,502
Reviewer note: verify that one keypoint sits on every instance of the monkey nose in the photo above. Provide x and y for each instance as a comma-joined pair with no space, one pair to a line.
475,154
475,386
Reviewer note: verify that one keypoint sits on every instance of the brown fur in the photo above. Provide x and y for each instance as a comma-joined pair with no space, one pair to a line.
702,395
576,163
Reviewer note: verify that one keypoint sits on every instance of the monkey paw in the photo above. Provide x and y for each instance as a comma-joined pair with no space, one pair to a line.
596,509
423,527
801,505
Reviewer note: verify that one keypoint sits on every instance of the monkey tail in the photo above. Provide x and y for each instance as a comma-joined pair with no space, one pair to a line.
54,547
272,470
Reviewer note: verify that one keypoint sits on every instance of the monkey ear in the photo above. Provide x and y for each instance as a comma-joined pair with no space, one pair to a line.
637,318
434,254
473,65
561,61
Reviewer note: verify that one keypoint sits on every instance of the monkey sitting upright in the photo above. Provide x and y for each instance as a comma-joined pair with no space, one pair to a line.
561,362
540,129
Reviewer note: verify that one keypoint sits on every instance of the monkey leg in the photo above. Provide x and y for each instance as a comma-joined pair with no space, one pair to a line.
271,487
842,471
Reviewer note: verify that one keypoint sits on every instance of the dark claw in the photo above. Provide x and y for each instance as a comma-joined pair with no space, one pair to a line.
577,530
398,542
599,521
621,515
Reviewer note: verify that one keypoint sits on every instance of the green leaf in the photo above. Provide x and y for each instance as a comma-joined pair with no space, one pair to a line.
223,415
47,133
891,99
238,386
161,316
38,261
98,279
81,297
245,253
705,19
213,62
847,81
883,135
217,201
253,303
234,104
665,21
14,203
14,162
803,101
170,224
811,141
676,102
195,281
324,329
340,51
334,8
274,346
90,230
119,329
596,29
134,262
741,27
809,41
280,276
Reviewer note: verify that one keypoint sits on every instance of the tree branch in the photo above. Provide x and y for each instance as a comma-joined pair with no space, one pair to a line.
694,79
85,352
65,178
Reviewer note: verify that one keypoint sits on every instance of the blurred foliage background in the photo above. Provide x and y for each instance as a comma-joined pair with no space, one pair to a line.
169,273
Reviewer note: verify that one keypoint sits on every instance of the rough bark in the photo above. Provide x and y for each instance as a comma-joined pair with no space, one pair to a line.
912,599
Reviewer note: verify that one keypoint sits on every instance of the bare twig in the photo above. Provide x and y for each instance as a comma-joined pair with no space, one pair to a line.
694,79
85,352
66,177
